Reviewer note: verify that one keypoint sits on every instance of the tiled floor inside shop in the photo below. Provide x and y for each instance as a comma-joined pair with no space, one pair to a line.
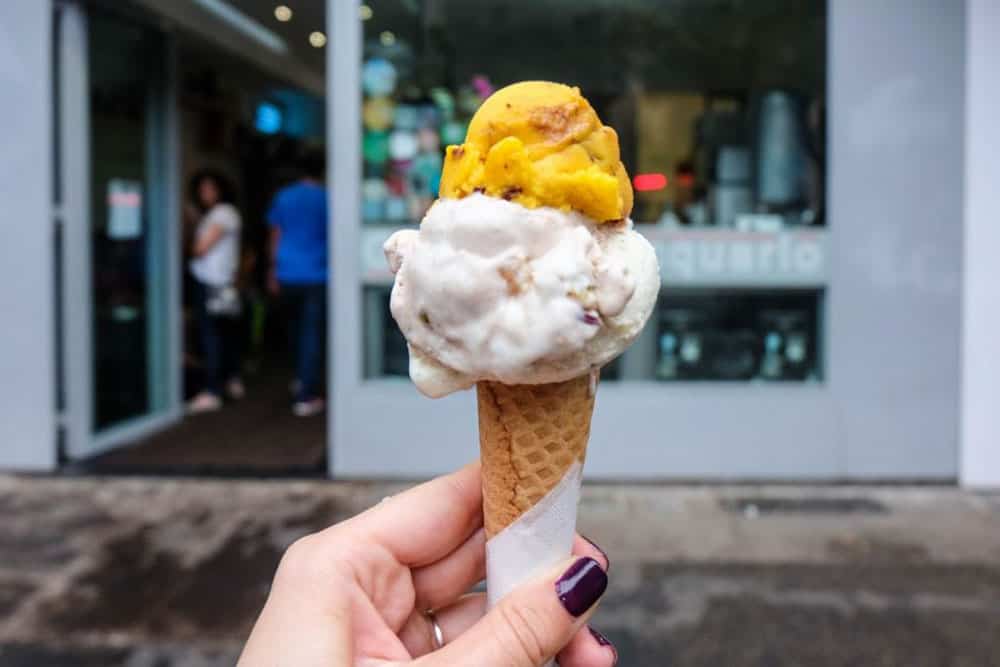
256,435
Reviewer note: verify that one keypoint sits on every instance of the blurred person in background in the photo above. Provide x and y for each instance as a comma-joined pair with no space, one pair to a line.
298,274
215,257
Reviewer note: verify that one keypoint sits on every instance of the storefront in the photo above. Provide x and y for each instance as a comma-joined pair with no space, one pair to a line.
803,170
138,97
782,153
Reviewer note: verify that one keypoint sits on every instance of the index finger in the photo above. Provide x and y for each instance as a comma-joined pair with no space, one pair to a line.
428,522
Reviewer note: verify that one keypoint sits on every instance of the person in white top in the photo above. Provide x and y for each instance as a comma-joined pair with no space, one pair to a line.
215,261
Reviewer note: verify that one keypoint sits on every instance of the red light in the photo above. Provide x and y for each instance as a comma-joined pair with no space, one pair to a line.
648,182
685,180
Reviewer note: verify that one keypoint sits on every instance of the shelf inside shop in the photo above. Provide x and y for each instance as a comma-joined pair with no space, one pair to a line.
690,257
707,336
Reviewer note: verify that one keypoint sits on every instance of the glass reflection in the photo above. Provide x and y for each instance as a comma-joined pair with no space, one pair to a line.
720,113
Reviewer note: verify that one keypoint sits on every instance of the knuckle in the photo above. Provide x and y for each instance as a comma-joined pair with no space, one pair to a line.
299,551
301,561
526,640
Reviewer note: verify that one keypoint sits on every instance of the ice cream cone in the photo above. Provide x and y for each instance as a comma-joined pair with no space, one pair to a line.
526,269
529,437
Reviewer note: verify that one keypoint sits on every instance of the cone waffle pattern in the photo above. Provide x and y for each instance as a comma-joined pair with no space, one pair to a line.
529,436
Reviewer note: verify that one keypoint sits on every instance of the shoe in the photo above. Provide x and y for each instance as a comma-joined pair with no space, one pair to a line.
313,406
204,402
235,389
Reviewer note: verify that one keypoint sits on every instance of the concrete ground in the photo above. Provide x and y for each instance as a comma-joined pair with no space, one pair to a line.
144,572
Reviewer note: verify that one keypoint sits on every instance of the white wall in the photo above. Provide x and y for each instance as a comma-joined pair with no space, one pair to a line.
896,114
980,452
27,348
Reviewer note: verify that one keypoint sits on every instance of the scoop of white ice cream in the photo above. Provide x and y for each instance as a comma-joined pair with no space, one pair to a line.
487,289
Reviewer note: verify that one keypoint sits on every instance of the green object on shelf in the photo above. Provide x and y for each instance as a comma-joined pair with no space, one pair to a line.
453,132
425,174
375,147
444,101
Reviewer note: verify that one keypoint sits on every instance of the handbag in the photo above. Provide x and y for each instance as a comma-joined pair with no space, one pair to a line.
223,301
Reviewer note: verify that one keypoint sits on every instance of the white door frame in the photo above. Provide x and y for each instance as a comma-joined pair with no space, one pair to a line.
980,458
75,259
81,440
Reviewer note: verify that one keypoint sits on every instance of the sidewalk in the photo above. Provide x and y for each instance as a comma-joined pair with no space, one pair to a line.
137,572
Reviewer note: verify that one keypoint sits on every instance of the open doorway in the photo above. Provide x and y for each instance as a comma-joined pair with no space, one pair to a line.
253,126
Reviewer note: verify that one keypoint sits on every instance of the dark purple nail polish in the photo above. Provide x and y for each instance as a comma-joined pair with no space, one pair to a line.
599,550
581,585
604,641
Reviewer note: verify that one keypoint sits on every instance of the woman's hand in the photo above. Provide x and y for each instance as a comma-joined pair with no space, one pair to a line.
355,594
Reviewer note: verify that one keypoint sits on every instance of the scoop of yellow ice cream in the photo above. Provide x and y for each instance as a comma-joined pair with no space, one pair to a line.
541,144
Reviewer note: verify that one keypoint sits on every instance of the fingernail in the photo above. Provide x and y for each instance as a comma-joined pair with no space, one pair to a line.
581,585
604,641
600,550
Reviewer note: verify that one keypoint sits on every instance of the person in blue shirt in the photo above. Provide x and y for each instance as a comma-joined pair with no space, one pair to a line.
298,220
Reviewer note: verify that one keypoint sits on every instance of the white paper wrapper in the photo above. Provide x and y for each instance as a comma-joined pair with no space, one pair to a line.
537,540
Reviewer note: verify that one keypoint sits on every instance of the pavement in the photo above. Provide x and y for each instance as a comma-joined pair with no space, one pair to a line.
159,572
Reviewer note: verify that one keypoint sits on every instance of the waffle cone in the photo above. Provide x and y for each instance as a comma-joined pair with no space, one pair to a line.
529,436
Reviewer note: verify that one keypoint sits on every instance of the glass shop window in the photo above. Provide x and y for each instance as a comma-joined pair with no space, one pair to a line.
720,112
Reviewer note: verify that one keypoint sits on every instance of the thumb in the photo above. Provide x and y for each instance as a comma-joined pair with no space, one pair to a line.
533,623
